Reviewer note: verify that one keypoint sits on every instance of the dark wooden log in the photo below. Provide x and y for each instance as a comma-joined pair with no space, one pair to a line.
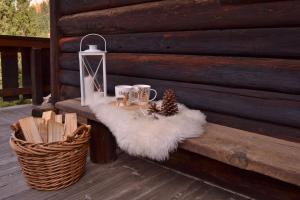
263,42
76,6
69,92
246,182
36,76
72,78
103,144
26,72
261,127
264,128
179,15
254,73
54,49
252,104
9,65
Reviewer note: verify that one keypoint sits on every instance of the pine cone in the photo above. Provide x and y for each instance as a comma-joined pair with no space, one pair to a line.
169,106
153,108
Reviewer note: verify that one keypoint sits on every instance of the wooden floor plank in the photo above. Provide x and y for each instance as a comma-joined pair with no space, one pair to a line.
172,189
193,190
126,178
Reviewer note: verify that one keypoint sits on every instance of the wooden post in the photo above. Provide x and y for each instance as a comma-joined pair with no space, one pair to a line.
46,71
54,49
26,71
9,57
102,143
36,76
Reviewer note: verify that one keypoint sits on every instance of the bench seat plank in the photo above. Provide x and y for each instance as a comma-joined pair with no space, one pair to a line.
273,157
270,156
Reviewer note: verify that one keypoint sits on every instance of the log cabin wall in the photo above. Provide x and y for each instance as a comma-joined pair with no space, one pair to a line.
236,60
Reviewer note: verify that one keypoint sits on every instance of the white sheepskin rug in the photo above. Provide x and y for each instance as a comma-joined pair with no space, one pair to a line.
143,135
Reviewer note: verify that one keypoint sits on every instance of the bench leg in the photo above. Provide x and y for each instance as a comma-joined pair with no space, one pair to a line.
102,143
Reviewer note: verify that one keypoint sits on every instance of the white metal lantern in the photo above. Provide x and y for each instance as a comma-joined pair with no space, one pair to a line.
92,77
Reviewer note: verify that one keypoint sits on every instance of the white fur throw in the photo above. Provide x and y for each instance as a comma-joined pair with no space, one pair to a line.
143,135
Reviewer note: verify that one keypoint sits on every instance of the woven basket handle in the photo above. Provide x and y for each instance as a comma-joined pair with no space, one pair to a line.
15,127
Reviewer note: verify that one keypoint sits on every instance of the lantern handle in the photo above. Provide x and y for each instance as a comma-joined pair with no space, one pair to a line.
93,34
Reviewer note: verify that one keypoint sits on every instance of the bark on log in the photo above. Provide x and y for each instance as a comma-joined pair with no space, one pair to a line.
179,15
255,73
265,42
76,6
257,105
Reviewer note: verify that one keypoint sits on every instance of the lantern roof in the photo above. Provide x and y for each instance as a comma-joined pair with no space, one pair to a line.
93,49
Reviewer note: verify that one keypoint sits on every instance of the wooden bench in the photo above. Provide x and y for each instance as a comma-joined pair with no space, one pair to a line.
249,151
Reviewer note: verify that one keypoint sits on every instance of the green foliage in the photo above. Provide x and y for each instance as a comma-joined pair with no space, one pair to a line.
20,101
18,18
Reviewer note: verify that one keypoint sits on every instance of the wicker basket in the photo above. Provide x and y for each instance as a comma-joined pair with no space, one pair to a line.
52,166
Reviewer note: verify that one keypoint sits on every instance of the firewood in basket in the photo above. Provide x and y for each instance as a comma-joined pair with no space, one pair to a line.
58,118
70,124
48,115
42,128
55,131
30,130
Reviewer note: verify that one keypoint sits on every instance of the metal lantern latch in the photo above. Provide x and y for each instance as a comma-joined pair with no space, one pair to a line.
92,78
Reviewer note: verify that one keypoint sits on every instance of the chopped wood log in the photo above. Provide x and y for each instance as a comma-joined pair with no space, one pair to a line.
30,130
59,118
55,131
42,128
38,121
70,124
48,115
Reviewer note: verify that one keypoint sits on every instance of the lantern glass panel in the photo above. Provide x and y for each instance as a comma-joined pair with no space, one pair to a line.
93,73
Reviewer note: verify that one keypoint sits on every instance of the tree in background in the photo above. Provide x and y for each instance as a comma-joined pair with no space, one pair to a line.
17,17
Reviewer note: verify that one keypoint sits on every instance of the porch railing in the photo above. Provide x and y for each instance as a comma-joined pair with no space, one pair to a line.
25,68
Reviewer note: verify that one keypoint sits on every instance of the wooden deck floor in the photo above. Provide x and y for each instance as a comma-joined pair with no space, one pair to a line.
127,178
